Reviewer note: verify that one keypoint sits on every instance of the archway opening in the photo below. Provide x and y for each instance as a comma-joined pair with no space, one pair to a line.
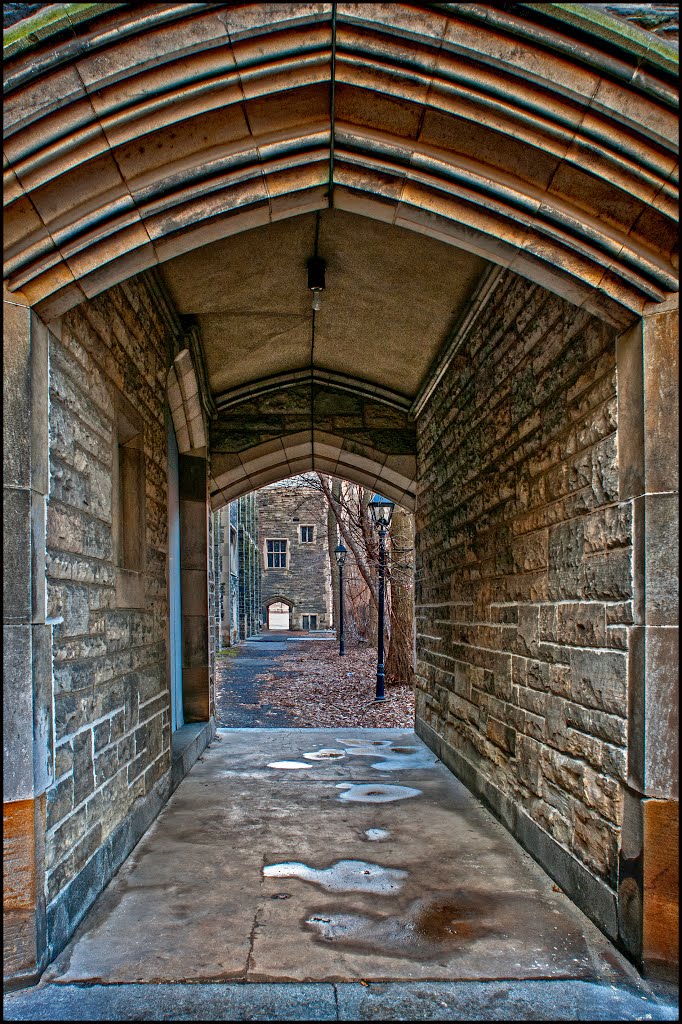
313,645
514,421
278,615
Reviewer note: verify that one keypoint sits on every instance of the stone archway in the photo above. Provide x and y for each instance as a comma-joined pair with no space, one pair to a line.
550,157
280,608
542,142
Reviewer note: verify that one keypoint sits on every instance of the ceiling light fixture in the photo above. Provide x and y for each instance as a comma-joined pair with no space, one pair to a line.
316,268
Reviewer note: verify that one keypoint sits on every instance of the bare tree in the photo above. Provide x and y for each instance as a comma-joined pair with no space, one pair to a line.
350,507
332,541
349,535
399,665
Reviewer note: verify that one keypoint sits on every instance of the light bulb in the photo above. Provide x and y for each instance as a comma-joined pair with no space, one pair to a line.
317,299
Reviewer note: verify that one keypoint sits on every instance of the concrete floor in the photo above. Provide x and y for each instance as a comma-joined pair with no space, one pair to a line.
370,864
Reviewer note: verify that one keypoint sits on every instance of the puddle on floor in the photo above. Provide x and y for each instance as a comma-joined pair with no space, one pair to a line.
288,764
365,743
367,793
375,835
400,762
394,758
344,876
432,927
325,755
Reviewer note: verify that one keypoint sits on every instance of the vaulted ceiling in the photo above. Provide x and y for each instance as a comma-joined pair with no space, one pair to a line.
543,137
420,144
391,297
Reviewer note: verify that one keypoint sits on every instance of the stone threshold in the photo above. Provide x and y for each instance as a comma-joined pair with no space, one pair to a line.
343,1001
69,908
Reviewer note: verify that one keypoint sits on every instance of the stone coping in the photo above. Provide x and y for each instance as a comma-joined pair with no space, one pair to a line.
447,1001
589,18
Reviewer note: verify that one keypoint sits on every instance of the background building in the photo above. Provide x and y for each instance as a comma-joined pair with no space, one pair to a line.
238,568
294,555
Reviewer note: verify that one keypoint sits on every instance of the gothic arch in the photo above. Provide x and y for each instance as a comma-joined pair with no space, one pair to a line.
278,599
145,132
234,475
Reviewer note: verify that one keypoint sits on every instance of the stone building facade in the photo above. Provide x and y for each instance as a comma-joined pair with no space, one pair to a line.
237,566
294,554
250,570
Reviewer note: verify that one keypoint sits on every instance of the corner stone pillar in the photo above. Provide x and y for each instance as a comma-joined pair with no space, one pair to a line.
194,570
27,659
648,395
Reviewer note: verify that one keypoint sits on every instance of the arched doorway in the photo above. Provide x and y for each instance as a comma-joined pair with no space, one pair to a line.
278,615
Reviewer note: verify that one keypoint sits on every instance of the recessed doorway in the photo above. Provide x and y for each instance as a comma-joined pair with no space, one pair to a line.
278,615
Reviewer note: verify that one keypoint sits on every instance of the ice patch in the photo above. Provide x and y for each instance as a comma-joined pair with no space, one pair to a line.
367,793
344,876
377,834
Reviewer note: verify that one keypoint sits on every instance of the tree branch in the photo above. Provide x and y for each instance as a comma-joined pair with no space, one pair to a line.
349,539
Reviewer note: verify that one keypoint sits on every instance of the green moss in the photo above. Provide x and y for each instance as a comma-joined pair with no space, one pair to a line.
29,26
227,652
49,21
607,26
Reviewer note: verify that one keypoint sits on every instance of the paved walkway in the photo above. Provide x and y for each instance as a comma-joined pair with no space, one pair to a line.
332,875
237,701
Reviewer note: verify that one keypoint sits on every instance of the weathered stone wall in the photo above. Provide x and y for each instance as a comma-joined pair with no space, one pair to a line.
305,584
524,568
111,691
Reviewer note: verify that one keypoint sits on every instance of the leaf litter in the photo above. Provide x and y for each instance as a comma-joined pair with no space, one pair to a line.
318,688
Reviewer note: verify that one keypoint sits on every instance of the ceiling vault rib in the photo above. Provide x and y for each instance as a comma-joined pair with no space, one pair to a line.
322,378
487,283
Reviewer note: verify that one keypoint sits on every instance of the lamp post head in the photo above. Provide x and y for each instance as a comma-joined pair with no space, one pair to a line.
316,268
381,510
340,554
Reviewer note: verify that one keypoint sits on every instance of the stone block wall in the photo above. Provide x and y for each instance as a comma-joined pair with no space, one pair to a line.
524,570
305,583
112,724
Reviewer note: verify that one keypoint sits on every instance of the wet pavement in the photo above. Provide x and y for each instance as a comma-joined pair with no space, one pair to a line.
364,873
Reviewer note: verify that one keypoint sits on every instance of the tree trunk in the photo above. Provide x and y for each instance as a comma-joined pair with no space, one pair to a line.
372,549
399,660
332,541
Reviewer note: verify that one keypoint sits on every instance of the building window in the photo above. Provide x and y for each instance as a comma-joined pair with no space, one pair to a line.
310,621
276,551
306,534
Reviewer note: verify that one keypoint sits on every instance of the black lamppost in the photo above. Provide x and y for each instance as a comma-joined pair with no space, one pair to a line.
340,553
381,510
